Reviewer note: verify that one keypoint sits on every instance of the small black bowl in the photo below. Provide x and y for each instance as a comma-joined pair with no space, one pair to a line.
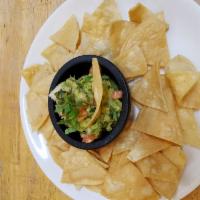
78,67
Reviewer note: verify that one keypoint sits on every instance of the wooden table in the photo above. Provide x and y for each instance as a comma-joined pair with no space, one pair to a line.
20,176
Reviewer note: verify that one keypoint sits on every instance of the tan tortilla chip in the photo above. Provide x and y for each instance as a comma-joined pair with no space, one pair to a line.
68,35
139,13
158,167
42,86
145,146
131,62
165,189
126,140
168,127
176,155
97,88
148,91
106,152
150,35
119,32
82,168
192,99
191,131
47,129
37,109
98,24
57,56
182,76
29,73
127,181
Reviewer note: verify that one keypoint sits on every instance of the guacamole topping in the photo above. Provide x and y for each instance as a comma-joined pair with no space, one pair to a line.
75,105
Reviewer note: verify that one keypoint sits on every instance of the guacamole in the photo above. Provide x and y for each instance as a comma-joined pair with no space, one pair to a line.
75,105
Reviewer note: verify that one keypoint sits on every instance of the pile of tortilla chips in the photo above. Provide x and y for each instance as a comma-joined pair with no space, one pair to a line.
146,161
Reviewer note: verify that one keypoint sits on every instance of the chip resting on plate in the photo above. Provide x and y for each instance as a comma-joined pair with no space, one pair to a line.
163,125
57,56
68,35
145,146
191,131
37,109
158,167
148,91
125,180
82,168
182,76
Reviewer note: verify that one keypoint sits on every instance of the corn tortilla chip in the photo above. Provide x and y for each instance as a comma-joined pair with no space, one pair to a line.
82,168
158,167
37,109
145,146
176,155
47,129
191,131
98,24
168,127
57,56
119,32
42,86
97,88
139,13
130,184
131,62
29,73
192,99
148,91
106,152
165,189
182,76
150,35
126,140
68,35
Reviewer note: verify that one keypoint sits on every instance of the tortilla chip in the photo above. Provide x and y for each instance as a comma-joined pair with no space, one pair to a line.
192,99
176,155
165,189
182,76
99,158
37,109
82,168
148,92
130,184
168,127
42,86
68,35
98,24
57,56
131,62
106,152
97,88
126,140
145,146
150,35
158,167
47,129
119,32
191,131
139,13
29,73
93,46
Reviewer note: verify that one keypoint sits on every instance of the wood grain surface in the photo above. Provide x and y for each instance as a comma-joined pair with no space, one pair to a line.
20,176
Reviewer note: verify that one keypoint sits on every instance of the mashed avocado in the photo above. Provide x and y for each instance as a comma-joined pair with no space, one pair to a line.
75,105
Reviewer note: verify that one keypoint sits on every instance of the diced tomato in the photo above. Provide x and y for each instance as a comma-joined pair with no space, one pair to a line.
82,114
88,138
117,94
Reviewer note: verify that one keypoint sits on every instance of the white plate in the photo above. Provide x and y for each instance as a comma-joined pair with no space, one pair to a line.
183,17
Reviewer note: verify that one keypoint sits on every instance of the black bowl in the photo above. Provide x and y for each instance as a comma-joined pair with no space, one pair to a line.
78,67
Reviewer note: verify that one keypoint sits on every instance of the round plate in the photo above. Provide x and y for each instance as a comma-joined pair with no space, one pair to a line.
183,17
